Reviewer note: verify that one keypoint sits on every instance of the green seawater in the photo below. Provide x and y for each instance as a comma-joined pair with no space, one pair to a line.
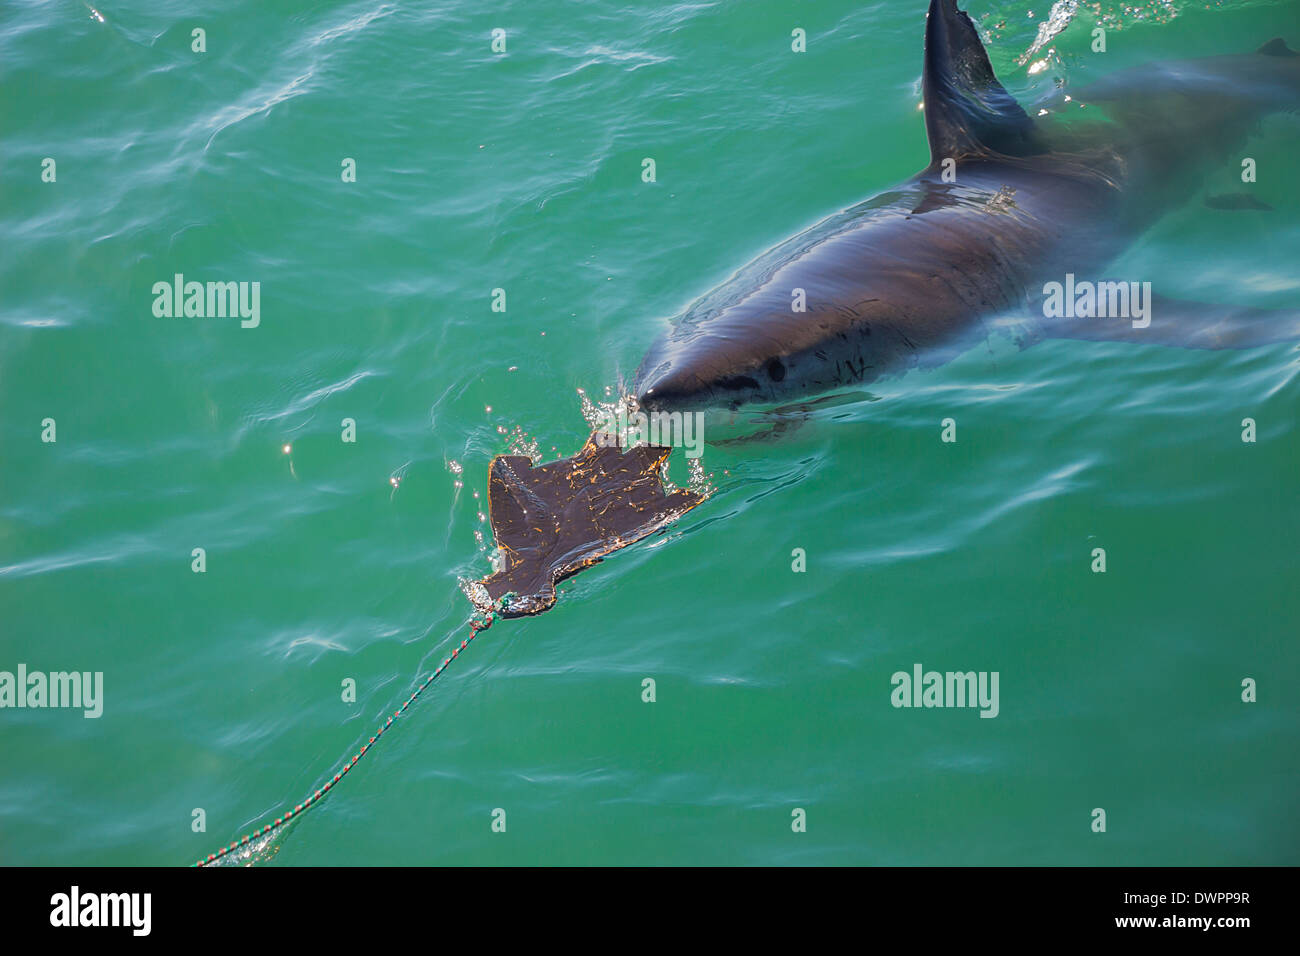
475,170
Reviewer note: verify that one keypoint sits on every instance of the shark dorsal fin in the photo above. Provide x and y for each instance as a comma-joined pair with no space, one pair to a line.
1276,47
966,109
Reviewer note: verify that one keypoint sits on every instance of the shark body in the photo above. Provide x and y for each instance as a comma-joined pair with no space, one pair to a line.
1006,204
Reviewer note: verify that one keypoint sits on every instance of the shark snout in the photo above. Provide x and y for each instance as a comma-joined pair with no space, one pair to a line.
670,387
698,379
689,369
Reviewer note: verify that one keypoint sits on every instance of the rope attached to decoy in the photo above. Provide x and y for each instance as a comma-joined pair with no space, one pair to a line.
475,628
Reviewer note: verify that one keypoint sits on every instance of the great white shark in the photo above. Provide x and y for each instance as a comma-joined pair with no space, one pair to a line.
1007,204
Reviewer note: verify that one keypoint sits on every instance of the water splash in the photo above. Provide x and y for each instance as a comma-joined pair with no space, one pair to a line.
700,482
521,444
1114,16
1003,201
615,417
258,850
477,594
1058,19
601,415
669,487
605,416
1108,16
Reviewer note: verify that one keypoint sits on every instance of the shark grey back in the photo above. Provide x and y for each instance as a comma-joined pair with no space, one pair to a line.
1006,201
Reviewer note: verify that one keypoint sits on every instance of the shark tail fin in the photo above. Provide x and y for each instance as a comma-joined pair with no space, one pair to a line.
966,109
1277,47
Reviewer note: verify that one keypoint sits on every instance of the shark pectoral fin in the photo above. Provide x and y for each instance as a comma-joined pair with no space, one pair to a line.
1180,323
966,109
1276,47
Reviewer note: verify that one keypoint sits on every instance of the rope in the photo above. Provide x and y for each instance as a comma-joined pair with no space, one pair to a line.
474,628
